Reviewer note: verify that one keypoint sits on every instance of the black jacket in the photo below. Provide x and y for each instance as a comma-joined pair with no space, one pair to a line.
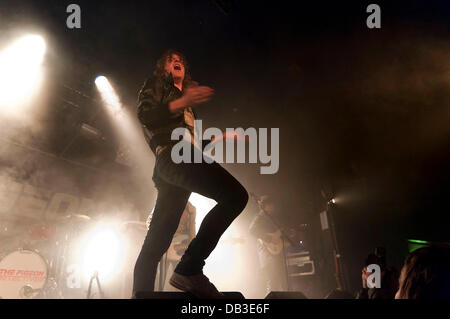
154,114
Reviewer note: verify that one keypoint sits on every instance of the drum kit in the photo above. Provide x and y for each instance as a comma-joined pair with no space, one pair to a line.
34,255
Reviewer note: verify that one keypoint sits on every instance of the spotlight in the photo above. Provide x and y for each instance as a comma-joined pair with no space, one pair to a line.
20,70
103,250
107,92
101,82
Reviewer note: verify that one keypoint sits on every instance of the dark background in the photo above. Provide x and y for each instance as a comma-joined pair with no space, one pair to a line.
363,113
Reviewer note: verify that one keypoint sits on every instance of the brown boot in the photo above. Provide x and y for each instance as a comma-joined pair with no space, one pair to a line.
198,285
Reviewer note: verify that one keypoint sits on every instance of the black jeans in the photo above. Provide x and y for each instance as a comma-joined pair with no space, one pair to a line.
174,183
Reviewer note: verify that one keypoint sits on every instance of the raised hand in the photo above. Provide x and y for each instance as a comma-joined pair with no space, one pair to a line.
196,95
193,96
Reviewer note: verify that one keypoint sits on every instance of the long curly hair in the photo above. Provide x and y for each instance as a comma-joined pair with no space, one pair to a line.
161,63
425,274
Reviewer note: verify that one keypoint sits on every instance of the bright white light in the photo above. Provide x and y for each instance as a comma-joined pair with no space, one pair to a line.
333,201
228,256
101,82
102,252
107,92
20,70
202,205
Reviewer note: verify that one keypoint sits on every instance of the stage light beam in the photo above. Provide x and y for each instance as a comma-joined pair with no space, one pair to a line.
108,93
20,71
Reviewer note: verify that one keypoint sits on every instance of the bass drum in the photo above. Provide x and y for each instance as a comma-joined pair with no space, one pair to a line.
23,275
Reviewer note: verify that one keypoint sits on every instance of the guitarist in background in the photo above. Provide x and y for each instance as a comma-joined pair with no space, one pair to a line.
270,245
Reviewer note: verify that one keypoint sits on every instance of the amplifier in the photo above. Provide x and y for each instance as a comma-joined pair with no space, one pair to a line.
300,264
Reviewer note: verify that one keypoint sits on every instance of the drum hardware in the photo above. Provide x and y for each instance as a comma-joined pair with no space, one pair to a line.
18,278
95,277
23,274
51,261
27,291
